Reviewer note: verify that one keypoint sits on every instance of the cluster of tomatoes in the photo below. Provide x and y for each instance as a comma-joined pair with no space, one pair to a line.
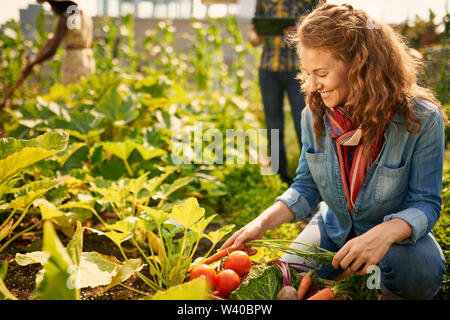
237,265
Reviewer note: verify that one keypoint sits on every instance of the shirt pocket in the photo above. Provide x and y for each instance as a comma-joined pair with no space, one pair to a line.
391,183
317,167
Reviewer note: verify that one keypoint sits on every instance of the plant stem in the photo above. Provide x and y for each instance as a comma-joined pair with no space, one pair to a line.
127,166
18,235
132,289
7,219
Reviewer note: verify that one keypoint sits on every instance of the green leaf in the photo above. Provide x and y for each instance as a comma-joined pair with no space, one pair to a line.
116,237
112,170
25,201
196,289
261,283
16,155
121,150
75,246
158,216
118,109
216,236
188,213
32,257
201,225
56,282
71,149
97,270
128,268
167,190
150,152
50,212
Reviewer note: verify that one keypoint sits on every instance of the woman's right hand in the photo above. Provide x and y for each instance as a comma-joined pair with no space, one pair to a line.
272,217
251,231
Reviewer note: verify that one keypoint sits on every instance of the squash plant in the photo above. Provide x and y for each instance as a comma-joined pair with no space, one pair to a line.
15,156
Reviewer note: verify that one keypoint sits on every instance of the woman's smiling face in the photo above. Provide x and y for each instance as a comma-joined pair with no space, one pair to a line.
326,75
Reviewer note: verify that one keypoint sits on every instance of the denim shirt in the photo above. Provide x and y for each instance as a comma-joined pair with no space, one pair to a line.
404,182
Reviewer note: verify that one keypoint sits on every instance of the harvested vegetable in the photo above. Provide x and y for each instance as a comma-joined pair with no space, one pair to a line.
324,294
220,254
304,286
287,293
239,261
263,282
227,281
317,254
206,271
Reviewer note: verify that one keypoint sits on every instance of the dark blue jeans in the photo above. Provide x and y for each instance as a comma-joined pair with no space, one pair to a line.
273,86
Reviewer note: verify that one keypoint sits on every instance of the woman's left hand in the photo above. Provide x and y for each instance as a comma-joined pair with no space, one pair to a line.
367,249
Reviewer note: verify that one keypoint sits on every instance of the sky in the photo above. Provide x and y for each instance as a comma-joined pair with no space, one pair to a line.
391,11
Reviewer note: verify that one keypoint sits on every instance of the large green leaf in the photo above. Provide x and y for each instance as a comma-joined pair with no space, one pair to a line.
116,237
50,212
261,283
56,284
196,289
148,152
216,236
188,213
98,270
118,109
167,189
121,150
16,155
93,269
128,268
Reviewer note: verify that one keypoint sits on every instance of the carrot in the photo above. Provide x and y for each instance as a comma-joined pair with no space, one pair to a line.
303,287
220,254
324,294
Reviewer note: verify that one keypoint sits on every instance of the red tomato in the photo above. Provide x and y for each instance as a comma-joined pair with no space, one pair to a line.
227,281
207,271
238,261
217,294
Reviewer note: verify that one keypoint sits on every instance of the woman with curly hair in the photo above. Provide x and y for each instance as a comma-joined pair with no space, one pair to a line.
370,171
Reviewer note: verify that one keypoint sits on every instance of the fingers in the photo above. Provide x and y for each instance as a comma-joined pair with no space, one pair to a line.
231,240
336,263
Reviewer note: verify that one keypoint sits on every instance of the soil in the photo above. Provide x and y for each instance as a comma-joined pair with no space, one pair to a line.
21,280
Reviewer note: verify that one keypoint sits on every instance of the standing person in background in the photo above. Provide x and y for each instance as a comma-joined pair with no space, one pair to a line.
75,31
277,72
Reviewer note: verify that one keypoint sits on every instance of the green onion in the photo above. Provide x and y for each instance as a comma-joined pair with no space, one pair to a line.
317,254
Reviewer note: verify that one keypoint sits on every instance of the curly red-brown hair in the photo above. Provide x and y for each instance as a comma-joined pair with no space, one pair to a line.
382,72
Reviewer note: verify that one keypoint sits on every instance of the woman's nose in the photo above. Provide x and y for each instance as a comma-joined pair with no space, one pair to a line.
314,85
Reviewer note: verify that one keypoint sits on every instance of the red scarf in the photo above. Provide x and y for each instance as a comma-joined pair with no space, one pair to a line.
353,159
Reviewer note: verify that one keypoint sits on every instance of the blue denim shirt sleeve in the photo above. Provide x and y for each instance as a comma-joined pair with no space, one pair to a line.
424,199
303,194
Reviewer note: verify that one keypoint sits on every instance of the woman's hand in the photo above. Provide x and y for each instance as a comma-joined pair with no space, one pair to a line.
252,231
367,249
272,217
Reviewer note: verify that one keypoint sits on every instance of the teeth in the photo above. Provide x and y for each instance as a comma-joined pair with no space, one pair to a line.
325,94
